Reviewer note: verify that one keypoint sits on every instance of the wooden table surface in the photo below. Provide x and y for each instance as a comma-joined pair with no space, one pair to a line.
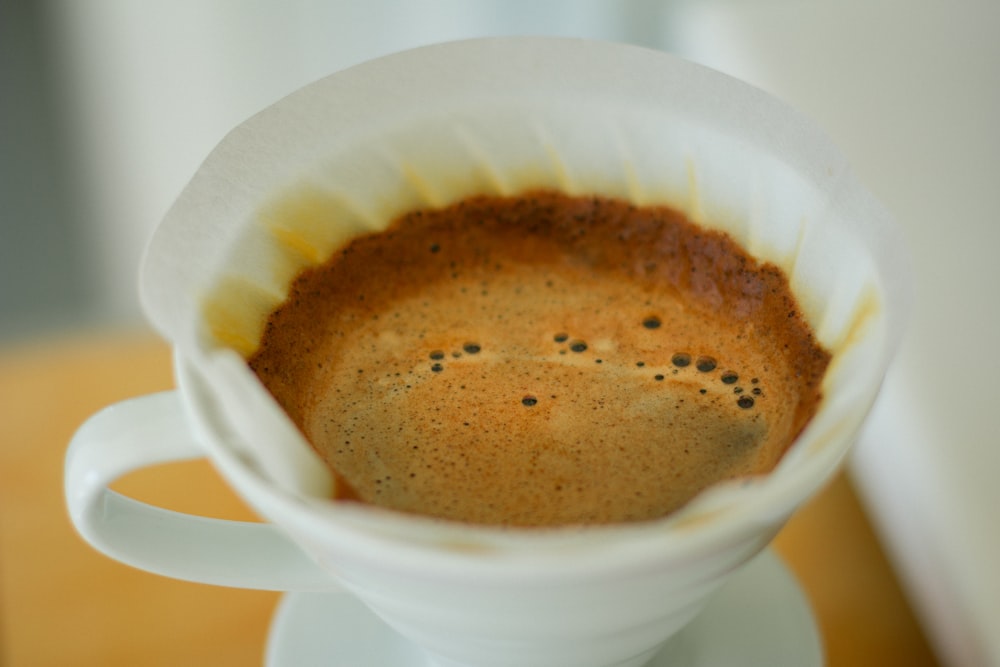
61,603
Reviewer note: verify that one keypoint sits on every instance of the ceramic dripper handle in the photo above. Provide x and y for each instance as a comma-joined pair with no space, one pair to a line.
150,430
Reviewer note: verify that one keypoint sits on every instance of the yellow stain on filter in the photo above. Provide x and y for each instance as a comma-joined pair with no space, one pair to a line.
633,186
309,223
481,157
447,185
427,195
301,229
560,171
866,310
800,240
694,210
236,311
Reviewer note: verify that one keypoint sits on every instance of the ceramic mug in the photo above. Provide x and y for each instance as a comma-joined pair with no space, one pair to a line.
430,126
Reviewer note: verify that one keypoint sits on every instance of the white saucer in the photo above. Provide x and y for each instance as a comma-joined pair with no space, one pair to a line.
758,618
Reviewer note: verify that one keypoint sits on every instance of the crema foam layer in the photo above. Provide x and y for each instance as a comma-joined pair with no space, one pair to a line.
541,360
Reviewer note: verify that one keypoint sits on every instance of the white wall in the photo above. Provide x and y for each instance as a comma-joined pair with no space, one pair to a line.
911,91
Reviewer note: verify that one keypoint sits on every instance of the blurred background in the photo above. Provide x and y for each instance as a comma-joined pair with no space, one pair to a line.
107,107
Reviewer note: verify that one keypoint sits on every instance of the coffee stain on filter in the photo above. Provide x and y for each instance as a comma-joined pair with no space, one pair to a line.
309,223
492,177
866,312
686,521
811,299
829,436
428,196
235,313
849,340
790,262
560,172
694,209
300,229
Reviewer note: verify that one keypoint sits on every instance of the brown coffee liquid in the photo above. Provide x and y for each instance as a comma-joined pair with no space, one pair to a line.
542,360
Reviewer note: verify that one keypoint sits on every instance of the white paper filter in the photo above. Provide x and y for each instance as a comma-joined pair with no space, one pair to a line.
498,116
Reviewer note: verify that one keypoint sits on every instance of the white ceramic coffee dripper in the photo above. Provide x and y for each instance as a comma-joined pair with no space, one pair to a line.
424,128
